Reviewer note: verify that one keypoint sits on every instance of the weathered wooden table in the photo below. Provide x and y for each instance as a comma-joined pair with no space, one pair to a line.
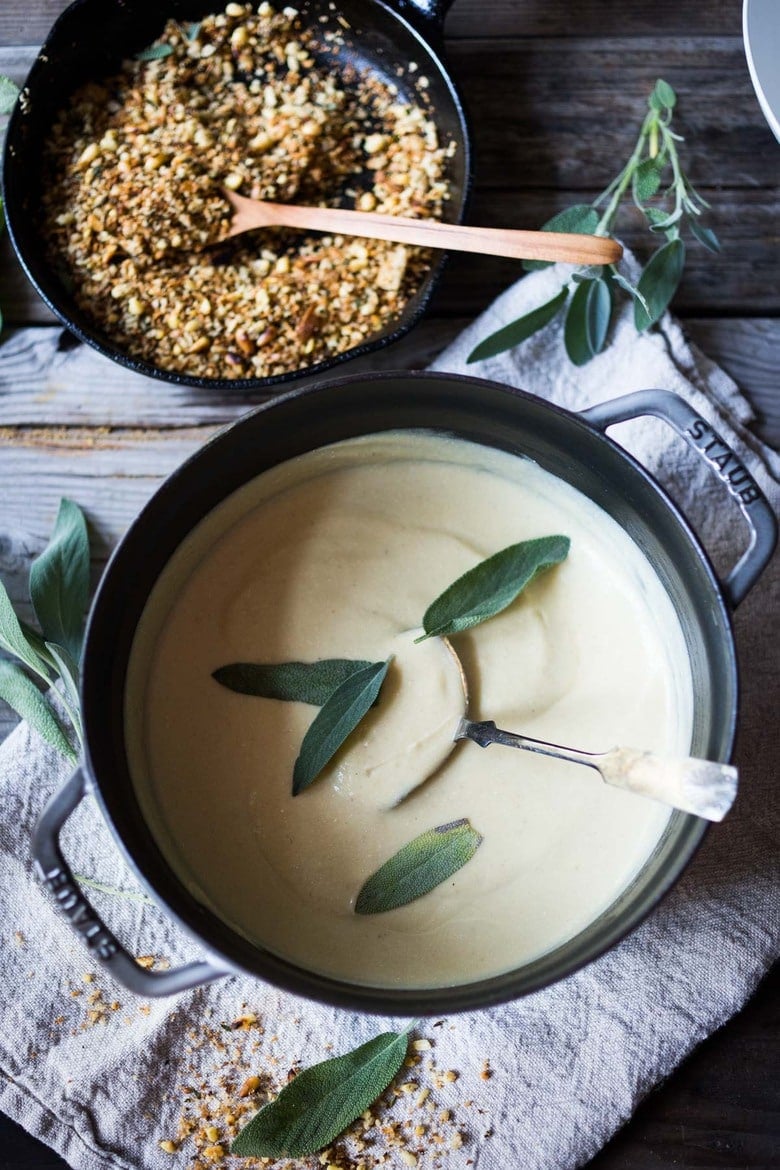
555,90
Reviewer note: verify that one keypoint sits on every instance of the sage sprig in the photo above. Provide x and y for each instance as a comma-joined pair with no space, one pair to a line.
492,585
419,867
59,587
654,179
302,682
335,721
322,1101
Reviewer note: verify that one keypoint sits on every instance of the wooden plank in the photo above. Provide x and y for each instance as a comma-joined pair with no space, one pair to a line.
719,1109
42,385
743,279
21,22
564,111
109,473
575,103
749,350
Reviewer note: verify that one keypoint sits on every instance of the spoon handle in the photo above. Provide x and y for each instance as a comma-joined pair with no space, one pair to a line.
702,787
569,247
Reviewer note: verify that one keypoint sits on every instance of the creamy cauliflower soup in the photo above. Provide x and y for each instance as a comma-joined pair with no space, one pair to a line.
337,554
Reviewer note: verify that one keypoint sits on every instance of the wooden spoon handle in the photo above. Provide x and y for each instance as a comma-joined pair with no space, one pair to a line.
426,233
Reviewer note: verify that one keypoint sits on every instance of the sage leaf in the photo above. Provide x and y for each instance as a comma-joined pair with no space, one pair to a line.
587,321
705,236
191,30
517,331
666,221
663,96
14,640
646,180
322,1101
154,53
598,314
9,92
37,644
302,682
492,585
419,867
581,218
336,720
69,673
628,287
59,580
20,692
575,334
658,283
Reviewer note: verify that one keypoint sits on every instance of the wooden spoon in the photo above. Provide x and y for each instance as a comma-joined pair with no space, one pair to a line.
569,247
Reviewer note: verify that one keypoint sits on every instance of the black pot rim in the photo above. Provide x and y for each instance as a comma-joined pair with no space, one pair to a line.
483,993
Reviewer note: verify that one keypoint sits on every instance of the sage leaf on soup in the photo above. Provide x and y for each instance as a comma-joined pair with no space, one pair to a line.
302,682
419,867
20,693
335,721
322,1101
59,581
492,585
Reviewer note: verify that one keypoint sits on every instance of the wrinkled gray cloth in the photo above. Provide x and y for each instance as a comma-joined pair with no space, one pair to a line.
568,1064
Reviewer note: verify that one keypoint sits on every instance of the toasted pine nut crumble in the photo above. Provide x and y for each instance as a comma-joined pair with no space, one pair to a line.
255,101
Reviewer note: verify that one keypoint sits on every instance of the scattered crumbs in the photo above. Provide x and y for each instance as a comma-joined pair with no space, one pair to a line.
19,938
88,977
486,1072
59,1020
229,1073
145,1009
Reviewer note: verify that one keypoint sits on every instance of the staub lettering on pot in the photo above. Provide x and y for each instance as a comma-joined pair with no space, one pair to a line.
79,913
733,473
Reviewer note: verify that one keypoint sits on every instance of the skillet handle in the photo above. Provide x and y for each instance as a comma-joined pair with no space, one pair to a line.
427,15
58,877
740,484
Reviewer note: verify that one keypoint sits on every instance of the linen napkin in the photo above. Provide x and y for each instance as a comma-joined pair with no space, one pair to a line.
542,1083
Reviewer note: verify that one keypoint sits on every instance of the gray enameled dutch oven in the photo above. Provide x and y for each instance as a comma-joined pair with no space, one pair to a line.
573,447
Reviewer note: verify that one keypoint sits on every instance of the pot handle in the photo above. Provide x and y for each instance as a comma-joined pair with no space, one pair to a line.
740,484
57,875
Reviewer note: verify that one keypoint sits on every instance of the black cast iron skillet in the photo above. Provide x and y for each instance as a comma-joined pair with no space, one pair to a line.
573,447
93,37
